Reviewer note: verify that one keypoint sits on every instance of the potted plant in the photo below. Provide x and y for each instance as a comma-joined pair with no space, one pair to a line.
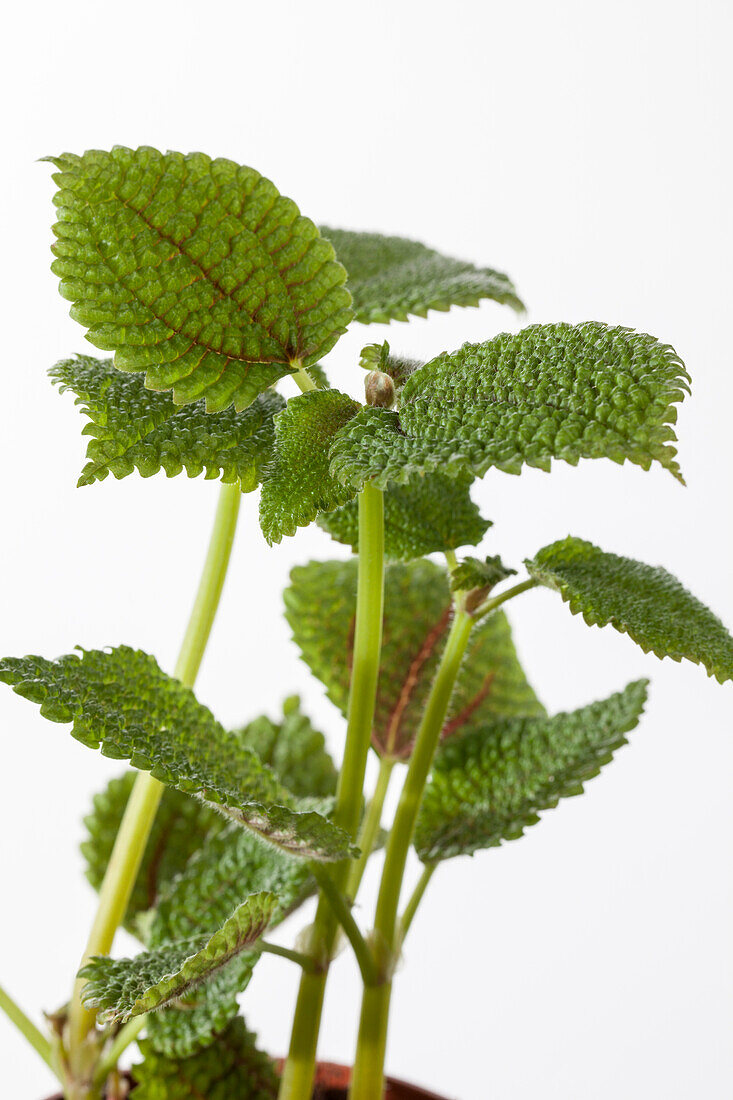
207,287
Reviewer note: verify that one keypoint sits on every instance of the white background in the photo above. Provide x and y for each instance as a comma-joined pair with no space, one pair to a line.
584,148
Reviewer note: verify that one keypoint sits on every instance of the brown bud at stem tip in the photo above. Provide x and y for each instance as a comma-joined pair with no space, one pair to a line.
379,389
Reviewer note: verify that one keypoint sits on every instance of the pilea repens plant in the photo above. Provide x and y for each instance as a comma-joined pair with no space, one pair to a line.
208,287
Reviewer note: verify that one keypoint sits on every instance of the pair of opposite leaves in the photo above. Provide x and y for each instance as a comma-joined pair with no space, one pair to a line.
198,273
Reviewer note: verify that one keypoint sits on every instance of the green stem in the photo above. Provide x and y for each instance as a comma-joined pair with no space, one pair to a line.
496,601
299,1070
305,962
303,379
142,805
124,1038
368,1074
342,911
370,827
415,899
26,1027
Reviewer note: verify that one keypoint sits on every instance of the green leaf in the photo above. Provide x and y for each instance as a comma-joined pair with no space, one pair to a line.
298,485
550,391
490,784
644,601
132,428
120,700
294,750
392,277
432,513
231,1069
182,826
122,988
194,270
230,866
477,573
320,608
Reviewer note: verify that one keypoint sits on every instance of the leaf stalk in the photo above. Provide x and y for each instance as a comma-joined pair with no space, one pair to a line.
142,805
299,1070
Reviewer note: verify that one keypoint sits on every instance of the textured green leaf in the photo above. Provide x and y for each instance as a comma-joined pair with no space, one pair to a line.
231,1069
392,277
194,270
477,573
644,601
120,700
122,988
298,485
182,826
133,428
225,870
490,784
294,750
550,391
431,513
320,607
229,867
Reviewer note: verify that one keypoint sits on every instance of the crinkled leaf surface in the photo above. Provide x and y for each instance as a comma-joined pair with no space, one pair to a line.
228,868
182,826
294,750
490,784
429,514
298,484
133,428
550,391
122,988
196,271
230,1069
320,607
393,277
121,700
644,601
478,573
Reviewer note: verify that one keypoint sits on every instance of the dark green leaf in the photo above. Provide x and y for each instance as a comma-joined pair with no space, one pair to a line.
194,270
230,1069
475,573
644,601
294,750
551,391
120,700
490,784
122,988
432,513
320,607
298,485
229,867
132,428
392,277
182,826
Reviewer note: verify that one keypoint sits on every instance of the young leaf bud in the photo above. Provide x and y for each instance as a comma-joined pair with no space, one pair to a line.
379,389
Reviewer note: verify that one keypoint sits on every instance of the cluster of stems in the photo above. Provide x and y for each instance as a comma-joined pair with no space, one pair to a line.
81,1057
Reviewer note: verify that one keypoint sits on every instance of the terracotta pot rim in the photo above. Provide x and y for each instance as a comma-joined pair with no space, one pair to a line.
334,1076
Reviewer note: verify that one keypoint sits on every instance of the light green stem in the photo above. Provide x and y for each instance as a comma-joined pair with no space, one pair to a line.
122,1040
370,827
415,898
26,1027
142,805
299,1070
303,379
496,601
305,962
342,911
367,1080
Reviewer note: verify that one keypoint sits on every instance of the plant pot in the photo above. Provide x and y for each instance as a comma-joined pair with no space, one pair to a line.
332,1083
